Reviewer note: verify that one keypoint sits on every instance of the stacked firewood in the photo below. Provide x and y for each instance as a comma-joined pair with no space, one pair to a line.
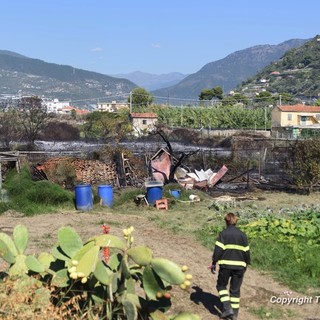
86,171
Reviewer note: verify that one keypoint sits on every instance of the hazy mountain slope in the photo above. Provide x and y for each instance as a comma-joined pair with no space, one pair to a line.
153,81
230,71
11,53
27,76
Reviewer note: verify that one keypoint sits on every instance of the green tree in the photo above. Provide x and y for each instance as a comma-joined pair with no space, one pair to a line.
206,94
264,98
140,97
286,98
73,114
217,92
240,98
32,117
104,125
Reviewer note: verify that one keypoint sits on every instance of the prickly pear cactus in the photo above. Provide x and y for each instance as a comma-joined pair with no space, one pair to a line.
76,267
12,250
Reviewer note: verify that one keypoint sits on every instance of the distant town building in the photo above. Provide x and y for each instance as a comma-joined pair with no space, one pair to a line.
56,106
63,107
112,106
69,109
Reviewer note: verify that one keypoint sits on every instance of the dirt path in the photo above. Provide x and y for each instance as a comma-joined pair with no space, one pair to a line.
258,288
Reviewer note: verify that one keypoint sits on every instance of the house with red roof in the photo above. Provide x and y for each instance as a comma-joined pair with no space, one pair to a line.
69,109
289,121
143,122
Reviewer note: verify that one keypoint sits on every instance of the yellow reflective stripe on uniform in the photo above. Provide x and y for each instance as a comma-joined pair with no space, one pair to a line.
232,246
232,263
237,247
234,299
223,292
235,305
220,244
223,299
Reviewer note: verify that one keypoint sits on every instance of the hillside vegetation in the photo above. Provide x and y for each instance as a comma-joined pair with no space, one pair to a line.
296,73
36,77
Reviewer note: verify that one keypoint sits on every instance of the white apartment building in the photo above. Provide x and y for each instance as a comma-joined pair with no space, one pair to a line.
56,106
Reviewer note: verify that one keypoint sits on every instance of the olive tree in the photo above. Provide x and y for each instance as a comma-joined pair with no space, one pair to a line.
140,97
208,94
107,125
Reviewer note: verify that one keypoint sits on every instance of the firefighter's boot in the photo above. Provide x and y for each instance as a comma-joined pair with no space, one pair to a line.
235,314
227,311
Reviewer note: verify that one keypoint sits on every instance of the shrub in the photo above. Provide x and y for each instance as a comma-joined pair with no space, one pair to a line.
32,197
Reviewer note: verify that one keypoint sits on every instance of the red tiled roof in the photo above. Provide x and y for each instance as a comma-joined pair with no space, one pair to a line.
299,108
143,115
80,111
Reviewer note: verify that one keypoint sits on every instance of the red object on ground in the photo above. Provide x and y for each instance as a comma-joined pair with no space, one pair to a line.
106,250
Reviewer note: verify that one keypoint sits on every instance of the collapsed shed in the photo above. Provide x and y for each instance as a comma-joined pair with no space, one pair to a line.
165,167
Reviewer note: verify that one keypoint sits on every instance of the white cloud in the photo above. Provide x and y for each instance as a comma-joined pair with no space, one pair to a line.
155,45
97,49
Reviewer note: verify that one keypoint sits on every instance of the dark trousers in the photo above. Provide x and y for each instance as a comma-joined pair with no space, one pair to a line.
231,297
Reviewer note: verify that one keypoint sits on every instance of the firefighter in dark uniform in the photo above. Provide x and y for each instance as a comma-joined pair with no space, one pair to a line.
232,253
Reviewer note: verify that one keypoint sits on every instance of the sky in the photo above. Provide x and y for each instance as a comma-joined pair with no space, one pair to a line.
151,36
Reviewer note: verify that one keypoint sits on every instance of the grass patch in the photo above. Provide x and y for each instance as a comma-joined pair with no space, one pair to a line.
280,258
34,197
126,197
271,313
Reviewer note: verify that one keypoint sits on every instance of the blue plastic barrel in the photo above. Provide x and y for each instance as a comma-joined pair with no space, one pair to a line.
175,193
83,194
105,192
154,191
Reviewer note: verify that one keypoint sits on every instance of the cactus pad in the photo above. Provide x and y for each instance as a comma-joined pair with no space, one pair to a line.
141,255
34,265
87,263
168,270
20,238
103,273
108,240
69,241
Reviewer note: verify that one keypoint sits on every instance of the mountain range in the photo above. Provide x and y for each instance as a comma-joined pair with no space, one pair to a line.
296,73
21,75
230,71
153,81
